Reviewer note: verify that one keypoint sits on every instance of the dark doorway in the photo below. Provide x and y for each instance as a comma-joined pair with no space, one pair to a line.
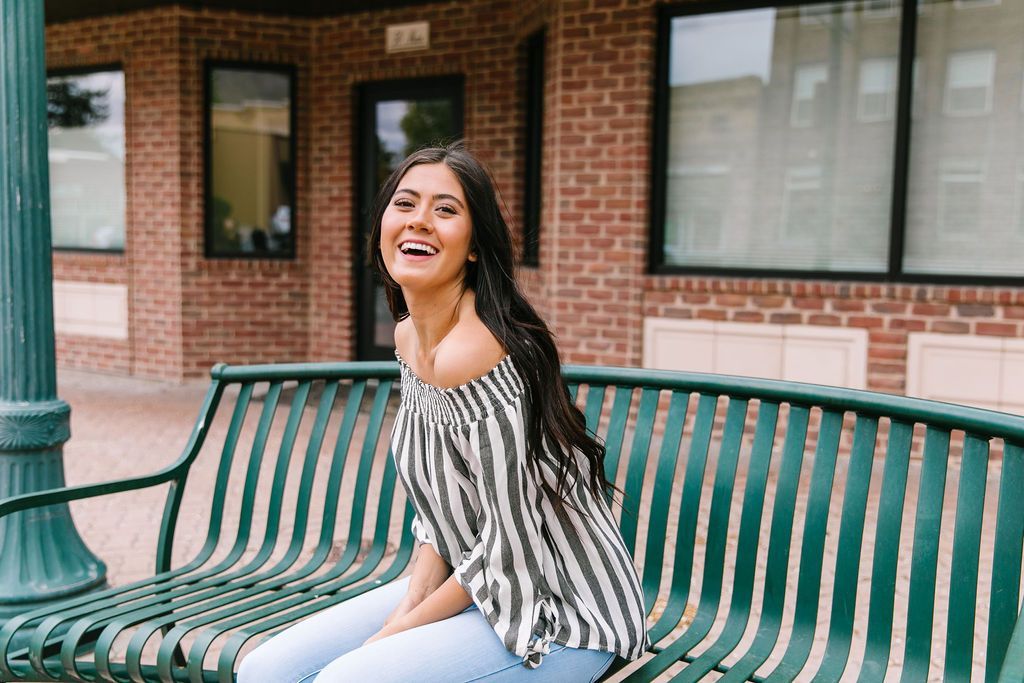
395,119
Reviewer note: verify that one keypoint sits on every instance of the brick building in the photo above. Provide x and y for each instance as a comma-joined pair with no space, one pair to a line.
827,192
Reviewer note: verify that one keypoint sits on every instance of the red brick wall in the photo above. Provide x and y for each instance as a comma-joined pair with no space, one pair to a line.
241,310
187,312
475,39
888,312
146,45
598,120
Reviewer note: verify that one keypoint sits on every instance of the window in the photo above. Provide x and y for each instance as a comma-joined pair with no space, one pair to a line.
880,9
534,145
851,154
808,86
1020,201
801,204
968,4
876,99
85,112
698,209
959,197
250,151
969,77
816,15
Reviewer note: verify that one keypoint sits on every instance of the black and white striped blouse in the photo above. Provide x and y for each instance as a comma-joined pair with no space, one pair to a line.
537,575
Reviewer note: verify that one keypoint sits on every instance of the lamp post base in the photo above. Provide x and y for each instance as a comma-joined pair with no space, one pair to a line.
42,557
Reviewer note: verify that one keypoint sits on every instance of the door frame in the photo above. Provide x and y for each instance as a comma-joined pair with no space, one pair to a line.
363,133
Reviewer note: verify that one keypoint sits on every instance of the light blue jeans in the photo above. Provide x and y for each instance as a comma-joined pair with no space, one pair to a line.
328,648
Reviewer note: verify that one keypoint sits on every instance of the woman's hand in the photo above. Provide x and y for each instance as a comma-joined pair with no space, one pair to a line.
402,608
390,628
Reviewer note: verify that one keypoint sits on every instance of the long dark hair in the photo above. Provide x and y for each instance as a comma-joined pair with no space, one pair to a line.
553,418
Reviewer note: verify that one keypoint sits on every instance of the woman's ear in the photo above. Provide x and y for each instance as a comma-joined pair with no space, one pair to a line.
472,256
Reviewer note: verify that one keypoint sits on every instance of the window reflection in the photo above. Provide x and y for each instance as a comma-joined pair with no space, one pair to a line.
781,96
86,154
251,173
967,146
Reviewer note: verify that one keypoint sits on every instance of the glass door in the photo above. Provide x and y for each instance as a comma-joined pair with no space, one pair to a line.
395,119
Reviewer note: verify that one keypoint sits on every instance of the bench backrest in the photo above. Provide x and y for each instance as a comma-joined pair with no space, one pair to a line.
787,527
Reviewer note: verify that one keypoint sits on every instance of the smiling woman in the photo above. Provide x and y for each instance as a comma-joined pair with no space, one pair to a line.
520,561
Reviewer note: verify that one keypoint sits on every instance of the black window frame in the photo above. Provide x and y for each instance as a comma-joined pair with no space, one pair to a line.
901,157
291,71
534,49
81,71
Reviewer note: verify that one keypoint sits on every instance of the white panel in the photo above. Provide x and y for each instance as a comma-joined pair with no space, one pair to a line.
748,350
90,309
955,368
826,355
1011,394
671,344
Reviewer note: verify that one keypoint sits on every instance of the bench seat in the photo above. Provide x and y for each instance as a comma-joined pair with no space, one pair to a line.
781,530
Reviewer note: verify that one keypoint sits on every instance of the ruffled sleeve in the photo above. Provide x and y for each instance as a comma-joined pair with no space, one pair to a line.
503,571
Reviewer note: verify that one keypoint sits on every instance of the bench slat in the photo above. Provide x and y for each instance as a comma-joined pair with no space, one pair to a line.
746,566
780,535
888,530
811,550
638,455
851,535
682,566
1006,566
668,458
927,525
963,583
718,528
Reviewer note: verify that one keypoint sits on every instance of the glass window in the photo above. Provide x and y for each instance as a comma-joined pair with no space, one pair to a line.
801,184
800,110
968,4
876,99
880,9
959,199
250,168
86,135
808,89
964,157
969,77
698,209
802,203
1020,201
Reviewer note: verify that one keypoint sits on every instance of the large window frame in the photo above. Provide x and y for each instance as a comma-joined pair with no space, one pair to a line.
291,71
894,271
533,144
84,71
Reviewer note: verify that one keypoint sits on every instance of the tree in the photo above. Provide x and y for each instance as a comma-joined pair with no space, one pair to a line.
69,106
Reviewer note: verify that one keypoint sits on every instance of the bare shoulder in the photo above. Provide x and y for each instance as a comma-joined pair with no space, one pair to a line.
469,351
404,334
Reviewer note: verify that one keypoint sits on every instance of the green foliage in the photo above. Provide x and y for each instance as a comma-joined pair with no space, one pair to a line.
69,106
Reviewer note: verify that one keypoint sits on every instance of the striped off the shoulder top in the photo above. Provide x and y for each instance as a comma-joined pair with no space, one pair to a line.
538,575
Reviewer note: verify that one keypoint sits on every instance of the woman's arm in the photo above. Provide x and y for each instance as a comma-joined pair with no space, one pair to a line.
446,601
428,573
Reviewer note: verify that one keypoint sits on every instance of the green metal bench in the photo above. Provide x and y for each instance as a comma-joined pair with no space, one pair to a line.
780,529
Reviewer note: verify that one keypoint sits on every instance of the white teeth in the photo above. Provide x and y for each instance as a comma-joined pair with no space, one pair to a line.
407,247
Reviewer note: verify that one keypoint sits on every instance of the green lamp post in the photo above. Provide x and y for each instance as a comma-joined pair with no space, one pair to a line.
42,557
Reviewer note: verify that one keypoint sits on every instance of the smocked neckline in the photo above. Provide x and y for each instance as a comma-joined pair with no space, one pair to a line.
490,374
